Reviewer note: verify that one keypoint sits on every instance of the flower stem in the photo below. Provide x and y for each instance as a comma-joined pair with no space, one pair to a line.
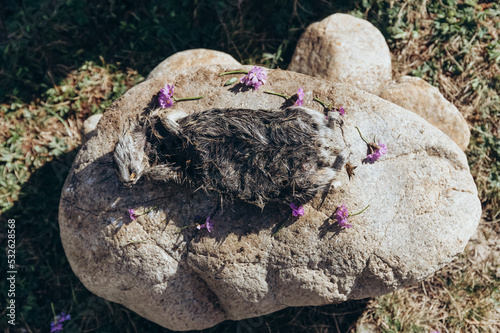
277,94
233,72
146,212
325,105
362,137
186,98
281,227
53,311
180,229
360,211
137,241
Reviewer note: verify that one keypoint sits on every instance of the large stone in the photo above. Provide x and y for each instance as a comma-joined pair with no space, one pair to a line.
423,210
189,58
346,49
418,96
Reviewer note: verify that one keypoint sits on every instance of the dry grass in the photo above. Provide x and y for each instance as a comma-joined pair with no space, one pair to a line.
33,134
458,298
463,296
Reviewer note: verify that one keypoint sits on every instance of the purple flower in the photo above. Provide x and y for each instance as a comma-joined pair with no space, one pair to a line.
379,150
165,98
383,148
209,225
342,111
296,210
342,214
56,325
256,77
133,214
166,102
168,90
300,97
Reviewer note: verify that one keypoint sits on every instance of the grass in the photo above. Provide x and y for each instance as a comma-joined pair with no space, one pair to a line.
453,45
462,297
64,61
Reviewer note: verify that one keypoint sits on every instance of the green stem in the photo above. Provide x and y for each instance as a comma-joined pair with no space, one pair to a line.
186,98
277,94
233,72
281,227
53,311
359,212
362,137
73,292
147,211
325,105
180,229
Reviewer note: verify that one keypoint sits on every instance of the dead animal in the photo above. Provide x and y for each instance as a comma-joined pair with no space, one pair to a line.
257,156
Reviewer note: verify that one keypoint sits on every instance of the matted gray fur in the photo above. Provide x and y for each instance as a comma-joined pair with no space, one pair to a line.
257,156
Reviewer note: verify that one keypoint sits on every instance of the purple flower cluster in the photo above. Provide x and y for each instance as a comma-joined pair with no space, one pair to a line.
165,98
379,150
209,225
300,97
133,214
342,214
341,111
296,210
256,77
57,324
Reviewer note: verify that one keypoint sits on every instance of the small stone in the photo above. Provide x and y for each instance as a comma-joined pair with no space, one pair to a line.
417,95
90,124
189,58
346,49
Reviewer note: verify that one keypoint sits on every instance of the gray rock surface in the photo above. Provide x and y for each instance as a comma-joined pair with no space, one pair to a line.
423,210
418,96
346,49
189,58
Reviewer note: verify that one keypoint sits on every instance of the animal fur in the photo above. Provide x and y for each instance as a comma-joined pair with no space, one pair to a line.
257,156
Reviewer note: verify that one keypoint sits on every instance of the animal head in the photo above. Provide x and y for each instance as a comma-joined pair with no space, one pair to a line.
129,155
